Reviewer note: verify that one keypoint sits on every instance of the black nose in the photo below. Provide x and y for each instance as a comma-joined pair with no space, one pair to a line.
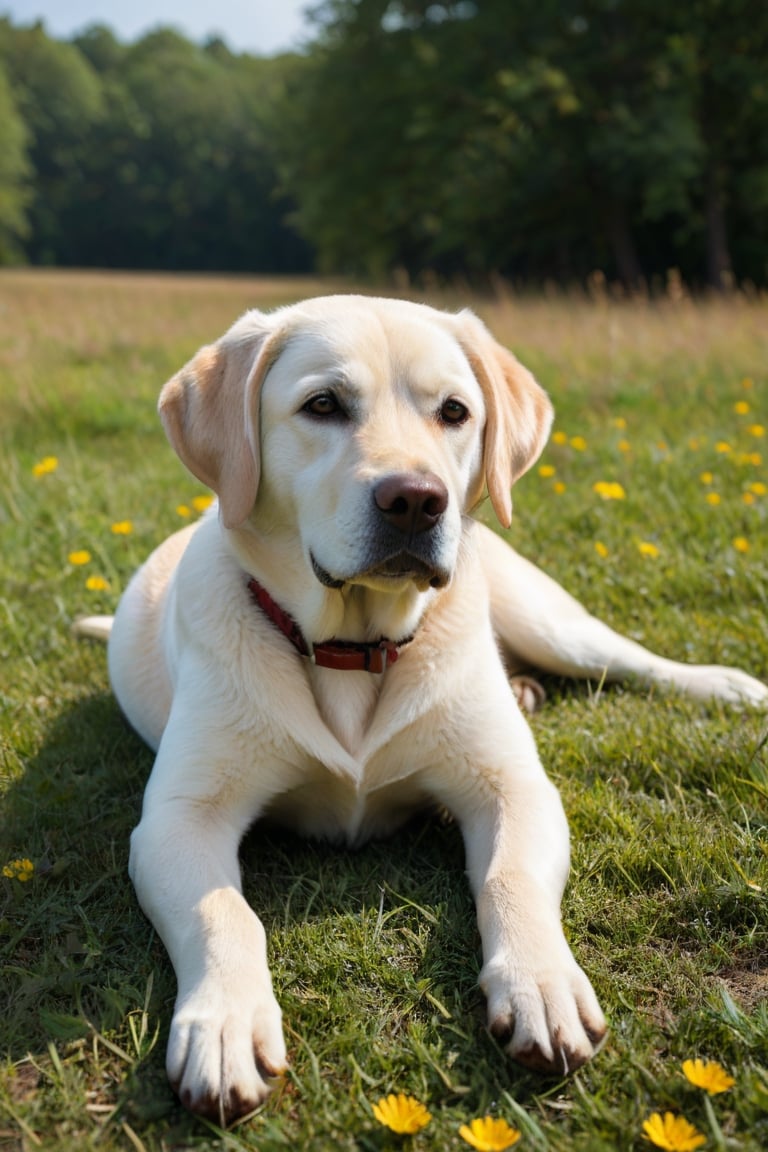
411,501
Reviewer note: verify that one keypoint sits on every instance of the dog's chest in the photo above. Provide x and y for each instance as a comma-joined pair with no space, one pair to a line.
328,807
347,703
371,801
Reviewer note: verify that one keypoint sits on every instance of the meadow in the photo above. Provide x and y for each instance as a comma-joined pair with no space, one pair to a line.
650,504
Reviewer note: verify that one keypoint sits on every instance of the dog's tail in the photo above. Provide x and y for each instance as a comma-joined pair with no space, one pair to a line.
97,627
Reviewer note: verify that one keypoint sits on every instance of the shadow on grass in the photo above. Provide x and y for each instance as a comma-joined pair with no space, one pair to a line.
78,957
84,969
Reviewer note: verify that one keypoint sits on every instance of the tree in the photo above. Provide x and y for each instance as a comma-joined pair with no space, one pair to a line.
417,127
14,173
59,98
728,41
178,172
537,138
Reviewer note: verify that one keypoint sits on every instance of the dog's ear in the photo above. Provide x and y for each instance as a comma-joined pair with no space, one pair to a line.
518,412
210,412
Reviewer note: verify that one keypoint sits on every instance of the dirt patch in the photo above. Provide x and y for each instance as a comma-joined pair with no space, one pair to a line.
746,983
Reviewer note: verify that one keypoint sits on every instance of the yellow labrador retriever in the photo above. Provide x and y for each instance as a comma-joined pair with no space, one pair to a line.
323,650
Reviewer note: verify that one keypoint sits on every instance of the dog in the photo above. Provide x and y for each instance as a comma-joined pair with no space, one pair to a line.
332,645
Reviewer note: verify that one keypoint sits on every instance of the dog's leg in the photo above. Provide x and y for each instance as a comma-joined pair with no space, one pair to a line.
540,1003
226,1044
541,626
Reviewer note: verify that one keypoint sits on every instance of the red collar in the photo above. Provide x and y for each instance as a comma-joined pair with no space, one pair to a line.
343,655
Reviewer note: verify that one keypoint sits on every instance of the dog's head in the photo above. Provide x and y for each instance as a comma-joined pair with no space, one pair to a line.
365,427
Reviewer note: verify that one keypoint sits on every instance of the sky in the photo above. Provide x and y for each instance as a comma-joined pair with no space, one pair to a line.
263,27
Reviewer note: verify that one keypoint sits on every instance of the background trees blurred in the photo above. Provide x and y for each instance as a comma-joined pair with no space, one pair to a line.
537,140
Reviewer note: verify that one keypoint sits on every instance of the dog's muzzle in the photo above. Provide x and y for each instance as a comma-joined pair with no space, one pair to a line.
410,506
403,536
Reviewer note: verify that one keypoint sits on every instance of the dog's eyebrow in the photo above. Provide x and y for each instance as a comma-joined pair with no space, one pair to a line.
348,394
337,379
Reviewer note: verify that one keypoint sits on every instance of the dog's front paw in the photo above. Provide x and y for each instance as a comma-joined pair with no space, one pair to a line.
549,1019
226,1050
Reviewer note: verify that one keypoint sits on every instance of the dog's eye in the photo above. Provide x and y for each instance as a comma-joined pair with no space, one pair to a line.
454,412
324,404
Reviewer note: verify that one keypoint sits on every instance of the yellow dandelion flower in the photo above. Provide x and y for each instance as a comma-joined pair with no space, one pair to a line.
662,446
80,557
609,490
547,470
200,503
579,443
722,446
559,438
402,1114
97,584
625,446
713,498
747,383
647,548
183,510
756,430
488,1134
601,549
741,544
558,487
672,1133
45,466
708,1074
122,527
748,497
741,407
694,444
758,488
22,869
619,422
754,458
706,477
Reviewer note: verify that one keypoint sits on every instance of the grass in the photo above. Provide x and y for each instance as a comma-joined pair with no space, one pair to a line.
375,954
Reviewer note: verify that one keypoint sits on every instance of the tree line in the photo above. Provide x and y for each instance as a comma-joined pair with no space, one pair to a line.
533,139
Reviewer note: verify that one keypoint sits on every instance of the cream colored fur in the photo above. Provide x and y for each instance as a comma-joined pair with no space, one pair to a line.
244,726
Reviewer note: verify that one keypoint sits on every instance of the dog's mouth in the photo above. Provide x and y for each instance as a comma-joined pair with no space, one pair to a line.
324,575
404,566
401,568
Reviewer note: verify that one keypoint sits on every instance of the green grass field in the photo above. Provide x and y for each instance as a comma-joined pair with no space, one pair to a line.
375,953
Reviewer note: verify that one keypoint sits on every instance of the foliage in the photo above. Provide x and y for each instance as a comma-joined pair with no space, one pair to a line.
537,140
375,953
13,172
59,98
151,155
